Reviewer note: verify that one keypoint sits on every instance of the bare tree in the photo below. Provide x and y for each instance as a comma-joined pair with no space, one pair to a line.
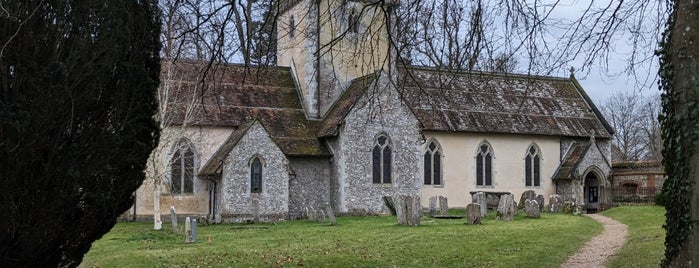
624,110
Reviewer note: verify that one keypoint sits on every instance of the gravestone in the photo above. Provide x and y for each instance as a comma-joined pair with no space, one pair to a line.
568,207
540,200
473,213
531,208
322,216
188,230
528,194
173,218
433,206
492,200
399,204
388,201
506,208
255,207
414,209
443,205
194,230
555,203
479,198
331,214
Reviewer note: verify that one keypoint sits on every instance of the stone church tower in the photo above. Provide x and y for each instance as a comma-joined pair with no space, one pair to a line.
328,43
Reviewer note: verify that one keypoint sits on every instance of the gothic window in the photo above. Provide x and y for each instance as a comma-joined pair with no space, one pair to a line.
381,157
484,165
182,168
353,22
532,166
256,175
292,26
433,164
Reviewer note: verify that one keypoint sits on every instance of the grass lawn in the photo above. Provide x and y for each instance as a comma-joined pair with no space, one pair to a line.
355,241
645,239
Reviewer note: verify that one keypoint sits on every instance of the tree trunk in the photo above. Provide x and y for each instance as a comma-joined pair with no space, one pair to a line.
157,222
679,70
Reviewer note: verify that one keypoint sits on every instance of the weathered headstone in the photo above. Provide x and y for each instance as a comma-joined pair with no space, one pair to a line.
388,201
555,203
473,213
173,218
443,205
506,208
528,194
399,204
531,208
331,214
568,207
307,213
432,209
255,207
479,198
492,200
414,209
311,214
188,230
540,200
194,230
322,216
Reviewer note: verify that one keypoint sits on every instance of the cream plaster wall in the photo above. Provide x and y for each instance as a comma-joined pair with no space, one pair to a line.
509,151
296,51
206,141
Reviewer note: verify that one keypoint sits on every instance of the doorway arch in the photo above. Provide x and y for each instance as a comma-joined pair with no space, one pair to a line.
591,191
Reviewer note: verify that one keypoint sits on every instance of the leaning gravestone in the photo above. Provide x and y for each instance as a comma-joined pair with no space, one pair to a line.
173,218
331,214
443,206
473,213
531,208
528,194
433,206
255,208
555,203
479,198
388,201
506,208
540,200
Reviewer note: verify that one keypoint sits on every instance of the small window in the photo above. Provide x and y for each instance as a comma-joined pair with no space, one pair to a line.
381,156
484,165
433,164
182,168
256,176
532,167
353,22
292,26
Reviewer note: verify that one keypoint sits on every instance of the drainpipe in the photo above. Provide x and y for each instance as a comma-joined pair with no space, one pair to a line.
212,201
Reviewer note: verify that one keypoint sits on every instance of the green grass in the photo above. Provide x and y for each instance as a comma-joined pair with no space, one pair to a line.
355,241
645,238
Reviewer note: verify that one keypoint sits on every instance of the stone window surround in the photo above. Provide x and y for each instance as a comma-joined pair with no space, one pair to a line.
181,144
441,162
541,160
263,162
388,144
492,165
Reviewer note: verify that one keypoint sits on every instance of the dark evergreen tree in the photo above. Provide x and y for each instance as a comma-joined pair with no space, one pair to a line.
77,98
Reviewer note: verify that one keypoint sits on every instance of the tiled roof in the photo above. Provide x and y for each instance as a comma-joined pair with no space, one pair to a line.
234,95
496,103
566,170
336,114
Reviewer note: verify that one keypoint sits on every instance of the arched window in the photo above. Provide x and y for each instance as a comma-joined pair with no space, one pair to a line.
381,157
182,168
532,166
484,165
256,175
292,26
433,164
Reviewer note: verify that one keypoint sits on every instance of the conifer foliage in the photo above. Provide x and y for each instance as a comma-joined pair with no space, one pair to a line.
78,84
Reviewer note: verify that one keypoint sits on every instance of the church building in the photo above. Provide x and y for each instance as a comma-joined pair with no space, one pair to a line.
339,121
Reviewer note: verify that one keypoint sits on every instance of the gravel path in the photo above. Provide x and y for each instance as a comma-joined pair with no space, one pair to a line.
596,251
